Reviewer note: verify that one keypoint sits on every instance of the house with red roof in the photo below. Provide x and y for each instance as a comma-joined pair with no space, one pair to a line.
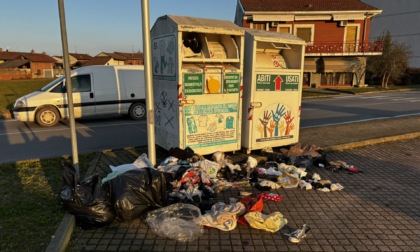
24,65
116,58
336,34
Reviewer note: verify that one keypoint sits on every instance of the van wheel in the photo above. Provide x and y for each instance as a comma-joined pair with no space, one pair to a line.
47,116
137,111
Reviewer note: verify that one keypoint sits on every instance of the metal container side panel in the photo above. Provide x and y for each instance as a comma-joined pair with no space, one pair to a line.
165,68
167,114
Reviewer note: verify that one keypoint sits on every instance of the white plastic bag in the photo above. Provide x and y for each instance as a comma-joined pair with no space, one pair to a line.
177,221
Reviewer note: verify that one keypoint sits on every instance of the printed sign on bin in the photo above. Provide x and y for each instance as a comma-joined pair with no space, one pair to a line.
277,82
193,84
232,83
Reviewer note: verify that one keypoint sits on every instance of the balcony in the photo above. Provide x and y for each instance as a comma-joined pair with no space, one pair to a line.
344,49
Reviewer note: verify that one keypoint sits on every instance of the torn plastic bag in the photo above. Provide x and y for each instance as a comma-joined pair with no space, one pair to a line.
135,192
88,200
177,221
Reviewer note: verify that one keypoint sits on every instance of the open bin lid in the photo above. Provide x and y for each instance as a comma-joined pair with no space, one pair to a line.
203,25
270,36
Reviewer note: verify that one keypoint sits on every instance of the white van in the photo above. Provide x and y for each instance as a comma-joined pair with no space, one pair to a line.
97,90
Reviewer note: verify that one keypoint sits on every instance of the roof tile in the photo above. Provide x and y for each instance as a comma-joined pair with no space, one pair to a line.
305,5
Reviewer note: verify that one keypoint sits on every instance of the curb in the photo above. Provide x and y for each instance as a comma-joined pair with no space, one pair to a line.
63,234
371,142
64,231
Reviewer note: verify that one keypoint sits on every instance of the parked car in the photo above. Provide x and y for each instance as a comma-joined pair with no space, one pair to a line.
96,90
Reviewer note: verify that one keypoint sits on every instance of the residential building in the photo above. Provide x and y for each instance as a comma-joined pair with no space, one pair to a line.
116,58
76,61
132,58
34,65
336,33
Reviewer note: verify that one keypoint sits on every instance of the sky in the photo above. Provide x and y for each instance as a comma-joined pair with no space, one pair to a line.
93,26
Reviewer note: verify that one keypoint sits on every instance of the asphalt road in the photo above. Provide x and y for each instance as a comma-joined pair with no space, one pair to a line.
22,141
355,108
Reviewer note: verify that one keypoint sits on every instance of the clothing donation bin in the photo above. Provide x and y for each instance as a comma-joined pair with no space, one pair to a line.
197,83
273,69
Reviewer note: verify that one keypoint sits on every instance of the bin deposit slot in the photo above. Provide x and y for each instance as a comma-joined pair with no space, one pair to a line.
280,46
184,102
256,104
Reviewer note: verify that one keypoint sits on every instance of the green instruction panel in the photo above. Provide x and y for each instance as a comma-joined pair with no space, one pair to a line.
277,82
193,84
210,125
232,82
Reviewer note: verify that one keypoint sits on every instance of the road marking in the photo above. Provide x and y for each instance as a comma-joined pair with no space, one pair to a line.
356,121
66,128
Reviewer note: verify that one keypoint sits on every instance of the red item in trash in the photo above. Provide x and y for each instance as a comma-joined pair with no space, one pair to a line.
271,196
191,177
352,169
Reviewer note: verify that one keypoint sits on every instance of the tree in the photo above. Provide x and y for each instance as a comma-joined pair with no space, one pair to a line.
393,62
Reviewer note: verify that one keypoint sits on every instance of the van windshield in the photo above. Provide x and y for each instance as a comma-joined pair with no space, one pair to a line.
51,84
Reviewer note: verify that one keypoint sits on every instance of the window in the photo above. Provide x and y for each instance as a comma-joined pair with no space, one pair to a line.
305,32
345,78
284,28
259,26
58,89
81,83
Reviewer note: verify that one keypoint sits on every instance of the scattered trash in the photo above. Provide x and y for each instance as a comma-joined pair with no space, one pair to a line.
137,191
299,234
179,195
87,200
177,221
271,223
222,216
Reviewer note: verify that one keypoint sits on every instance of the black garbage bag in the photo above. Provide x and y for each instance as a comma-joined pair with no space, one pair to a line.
88,200
136,192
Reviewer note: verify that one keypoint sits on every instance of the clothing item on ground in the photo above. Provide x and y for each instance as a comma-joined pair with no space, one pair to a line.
299,234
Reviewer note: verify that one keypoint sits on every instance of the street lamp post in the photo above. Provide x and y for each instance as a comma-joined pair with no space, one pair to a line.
68,87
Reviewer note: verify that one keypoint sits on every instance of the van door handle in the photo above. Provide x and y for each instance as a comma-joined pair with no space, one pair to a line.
91,95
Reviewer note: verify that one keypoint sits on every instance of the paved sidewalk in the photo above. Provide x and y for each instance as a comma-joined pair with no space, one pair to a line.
378,210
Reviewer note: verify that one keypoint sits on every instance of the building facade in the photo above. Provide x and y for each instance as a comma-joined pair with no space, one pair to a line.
336,35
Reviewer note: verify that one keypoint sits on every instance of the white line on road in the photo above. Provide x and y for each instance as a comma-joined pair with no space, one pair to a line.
356,121
67,128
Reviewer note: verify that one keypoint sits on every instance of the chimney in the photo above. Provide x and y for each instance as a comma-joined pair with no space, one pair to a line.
32,51
1,49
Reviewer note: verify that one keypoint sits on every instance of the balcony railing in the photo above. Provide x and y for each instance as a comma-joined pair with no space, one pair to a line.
374,47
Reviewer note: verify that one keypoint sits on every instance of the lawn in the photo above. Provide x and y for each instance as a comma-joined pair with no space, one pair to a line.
30,205
13,89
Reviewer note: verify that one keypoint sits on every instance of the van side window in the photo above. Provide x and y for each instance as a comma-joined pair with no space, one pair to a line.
81,83
58,89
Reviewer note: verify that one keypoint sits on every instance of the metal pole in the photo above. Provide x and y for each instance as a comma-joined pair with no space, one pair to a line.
68,86
148,80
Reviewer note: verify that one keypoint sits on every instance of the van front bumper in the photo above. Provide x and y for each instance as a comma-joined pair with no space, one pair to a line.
23,115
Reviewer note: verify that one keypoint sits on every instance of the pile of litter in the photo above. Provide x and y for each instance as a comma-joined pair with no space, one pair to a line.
177,198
